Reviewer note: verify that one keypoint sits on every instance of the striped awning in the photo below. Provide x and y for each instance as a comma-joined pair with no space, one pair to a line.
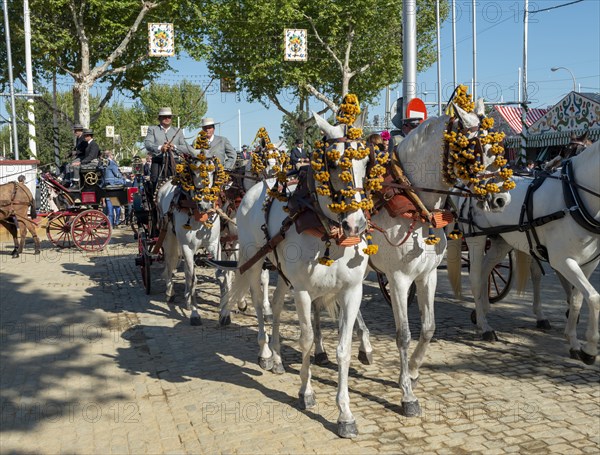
550,139
512,115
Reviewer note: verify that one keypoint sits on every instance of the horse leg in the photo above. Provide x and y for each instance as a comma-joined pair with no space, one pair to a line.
320,353
23,233
399,286
425,287
479,285
579,277
31,227
171,259
264,282
190,283
265,356
365,351
536,280
349,306
278,298
13,231
303,306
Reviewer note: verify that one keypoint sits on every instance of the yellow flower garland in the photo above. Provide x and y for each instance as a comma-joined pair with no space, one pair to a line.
463,161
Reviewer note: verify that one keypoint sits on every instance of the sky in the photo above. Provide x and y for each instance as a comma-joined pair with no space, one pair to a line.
566,37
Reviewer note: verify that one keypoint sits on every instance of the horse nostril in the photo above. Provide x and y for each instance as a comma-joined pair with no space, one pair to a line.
500,202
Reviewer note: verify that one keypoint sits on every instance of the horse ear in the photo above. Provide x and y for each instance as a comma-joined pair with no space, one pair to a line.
480,107
332,132
360,120
468,119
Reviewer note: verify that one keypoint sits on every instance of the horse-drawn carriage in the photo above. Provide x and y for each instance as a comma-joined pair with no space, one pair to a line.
79,219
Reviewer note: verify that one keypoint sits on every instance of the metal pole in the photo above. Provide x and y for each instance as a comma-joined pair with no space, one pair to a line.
55,123
522,159
474,49
239,129
454,77
519,86
439,57
29,76
11,82
409,27
386,120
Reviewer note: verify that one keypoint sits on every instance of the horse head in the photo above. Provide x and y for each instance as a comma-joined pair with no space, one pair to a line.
339,167
202,177
473,154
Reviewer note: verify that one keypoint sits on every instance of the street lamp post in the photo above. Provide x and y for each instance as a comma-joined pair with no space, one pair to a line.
556,68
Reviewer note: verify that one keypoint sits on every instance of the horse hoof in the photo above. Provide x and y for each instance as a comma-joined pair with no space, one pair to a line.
347,430
490,336
587,358
15,255
321,359
242,307
307,401
278,368
366,358
226,320
474,317
37,252
543,324
265,364
268,318
195,321
575,354
411,408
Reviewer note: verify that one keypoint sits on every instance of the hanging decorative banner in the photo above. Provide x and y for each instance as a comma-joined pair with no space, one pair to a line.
295,45
161,40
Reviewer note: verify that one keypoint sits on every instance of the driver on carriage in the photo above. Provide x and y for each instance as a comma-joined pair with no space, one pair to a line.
164,144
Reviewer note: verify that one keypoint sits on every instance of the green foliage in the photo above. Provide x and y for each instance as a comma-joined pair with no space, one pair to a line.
185,99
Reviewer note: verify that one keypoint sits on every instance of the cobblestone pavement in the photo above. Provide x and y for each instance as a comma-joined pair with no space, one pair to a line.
90,364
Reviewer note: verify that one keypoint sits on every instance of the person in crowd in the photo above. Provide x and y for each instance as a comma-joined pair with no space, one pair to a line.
529,168
405,127
147,166
375,142
77,153
162,142
245,154
298,157
112,173
385,136
92,152
219,146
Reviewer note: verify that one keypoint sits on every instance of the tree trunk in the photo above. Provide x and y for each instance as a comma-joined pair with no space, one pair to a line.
81,103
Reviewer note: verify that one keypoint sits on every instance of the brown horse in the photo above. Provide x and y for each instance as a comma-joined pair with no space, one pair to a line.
15,199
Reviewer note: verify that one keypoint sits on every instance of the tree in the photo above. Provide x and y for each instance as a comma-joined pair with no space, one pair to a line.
94,43
353,46
185,99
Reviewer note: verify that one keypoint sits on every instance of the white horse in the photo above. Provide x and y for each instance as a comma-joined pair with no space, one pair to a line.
572,245
300,257
405,255
189,226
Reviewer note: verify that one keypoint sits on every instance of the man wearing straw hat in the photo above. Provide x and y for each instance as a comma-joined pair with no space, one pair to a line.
164,142
219,145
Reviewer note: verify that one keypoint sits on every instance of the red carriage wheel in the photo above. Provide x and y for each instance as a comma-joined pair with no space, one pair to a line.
91,230
58,229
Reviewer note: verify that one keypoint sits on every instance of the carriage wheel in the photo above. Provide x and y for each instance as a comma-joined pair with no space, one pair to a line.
384,285
91,230
144,261
58,230
500,279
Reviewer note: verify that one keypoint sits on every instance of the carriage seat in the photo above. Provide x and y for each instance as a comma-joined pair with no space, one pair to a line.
88,167
113,187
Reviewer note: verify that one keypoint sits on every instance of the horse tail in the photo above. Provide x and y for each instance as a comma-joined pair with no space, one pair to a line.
237,291
522,266
32,210
454,261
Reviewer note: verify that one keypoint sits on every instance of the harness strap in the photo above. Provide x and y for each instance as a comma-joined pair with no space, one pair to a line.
573,200
408,233
539,252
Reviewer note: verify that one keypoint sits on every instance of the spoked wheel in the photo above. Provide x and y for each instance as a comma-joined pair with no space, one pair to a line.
58,230
144,260
500,278
384,285
91,230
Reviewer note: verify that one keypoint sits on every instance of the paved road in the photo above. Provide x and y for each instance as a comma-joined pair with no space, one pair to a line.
90,364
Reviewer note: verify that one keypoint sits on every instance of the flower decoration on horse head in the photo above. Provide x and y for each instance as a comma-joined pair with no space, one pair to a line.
260,159
463,154
324,159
